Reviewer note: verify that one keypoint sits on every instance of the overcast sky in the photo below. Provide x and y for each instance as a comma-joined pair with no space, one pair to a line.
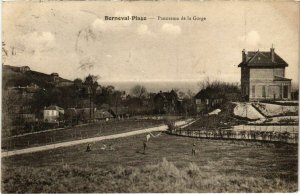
73,39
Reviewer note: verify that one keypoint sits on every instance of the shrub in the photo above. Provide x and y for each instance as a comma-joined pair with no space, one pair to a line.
171,126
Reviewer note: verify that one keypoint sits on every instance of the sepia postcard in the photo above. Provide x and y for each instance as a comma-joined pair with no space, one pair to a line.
150,96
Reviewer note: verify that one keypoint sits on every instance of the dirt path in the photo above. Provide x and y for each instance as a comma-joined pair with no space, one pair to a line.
91,140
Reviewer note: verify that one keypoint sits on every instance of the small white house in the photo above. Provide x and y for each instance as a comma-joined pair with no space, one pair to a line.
51,113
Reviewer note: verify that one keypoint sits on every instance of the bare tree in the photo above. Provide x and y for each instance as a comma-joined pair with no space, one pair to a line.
139,91
91,83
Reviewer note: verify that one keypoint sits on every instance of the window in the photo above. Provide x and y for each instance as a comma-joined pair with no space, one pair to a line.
264,91
253,90
285,91
247,91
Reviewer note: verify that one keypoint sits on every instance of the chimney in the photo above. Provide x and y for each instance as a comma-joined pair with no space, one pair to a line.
244,55
272,54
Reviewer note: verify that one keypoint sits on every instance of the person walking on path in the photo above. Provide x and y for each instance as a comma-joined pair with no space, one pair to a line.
88,148
194,150
145,146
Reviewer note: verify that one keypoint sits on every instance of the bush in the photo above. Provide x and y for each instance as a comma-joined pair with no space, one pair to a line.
171,126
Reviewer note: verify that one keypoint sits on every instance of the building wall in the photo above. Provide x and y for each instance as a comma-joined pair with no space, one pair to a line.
207,104
50,115
258,84
266,73
245,76
269,90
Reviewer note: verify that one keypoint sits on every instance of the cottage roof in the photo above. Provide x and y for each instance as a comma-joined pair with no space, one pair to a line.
160,95
53,107
71,111
209,93
262,59
119,110
172,95
100,114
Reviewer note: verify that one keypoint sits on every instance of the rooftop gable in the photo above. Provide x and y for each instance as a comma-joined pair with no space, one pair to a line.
262,59
53,107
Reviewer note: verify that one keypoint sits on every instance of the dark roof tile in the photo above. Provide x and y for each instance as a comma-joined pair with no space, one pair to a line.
277,78
262,59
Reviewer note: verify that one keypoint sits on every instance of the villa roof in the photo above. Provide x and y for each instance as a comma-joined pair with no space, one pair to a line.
262,59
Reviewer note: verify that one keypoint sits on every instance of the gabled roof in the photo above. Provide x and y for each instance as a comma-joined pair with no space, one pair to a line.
100,114
53,107
209,93
119,110
71,110
167,96
262,59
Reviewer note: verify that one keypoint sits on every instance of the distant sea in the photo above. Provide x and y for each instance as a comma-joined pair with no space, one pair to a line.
155,86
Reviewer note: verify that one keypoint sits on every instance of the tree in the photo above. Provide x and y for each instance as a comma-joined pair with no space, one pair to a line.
181,95
10,107
110,89
91,86
78,83
115,99
139,91
228,91
91,81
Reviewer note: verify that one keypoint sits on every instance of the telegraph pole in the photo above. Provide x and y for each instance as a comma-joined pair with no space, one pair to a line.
90,96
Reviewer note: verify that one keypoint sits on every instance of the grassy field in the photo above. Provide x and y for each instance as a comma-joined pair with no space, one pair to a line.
167,166
75,133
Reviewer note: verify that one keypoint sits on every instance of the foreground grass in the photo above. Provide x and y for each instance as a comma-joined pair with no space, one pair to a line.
219,166
162,177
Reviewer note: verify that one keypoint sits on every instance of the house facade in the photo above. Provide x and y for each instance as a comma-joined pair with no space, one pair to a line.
208,99
263,76
51,114
166,102
24,69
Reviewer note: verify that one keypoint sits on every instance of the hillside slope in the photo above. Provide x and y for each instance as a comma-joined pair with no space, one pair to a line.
14,77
